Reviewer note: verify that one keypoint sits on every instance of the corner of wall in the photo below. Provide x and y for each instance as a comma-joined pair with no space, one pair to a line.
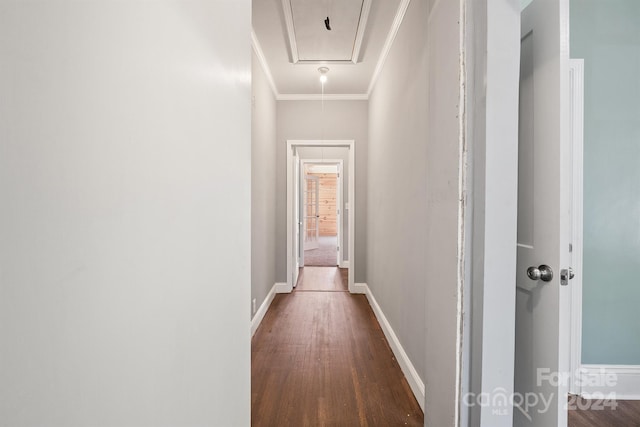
262,311
415,382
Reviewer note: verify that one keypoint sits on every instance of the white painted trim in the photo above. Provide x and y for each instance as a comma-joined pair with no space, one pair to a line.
462,215
362,26
283,288
393,32
320,97
327,162
576,68
291,256
255,44
344,264
321,142
602,380
291,33
360,288
357,44
321,168
409,371
298,240
391,36
257,318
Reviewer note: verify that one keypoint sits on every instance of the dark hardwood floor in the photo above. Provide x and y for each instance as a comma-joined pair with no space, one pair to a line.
594,413
319,358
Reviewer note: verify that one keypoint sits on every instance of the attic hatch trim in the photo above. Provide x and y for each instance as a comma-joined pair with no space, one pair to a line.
355,53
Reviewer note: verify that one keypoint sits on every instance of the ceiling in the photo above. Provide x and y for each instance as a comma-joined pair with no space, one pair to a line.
326,31
291,39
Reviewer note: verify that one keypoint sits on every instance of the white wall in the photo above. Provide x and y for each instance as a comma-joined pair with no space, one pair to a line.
413,197
263,185
340,120
125,213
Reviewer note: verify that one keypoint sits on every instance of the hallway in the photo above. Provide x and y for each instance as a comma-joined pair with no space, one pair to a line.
320,358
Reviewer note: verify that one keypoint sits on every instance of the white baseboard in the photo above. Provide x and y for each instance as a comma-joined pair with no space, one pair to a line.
257,318
602,380
360,288
410,373
344,264
282,288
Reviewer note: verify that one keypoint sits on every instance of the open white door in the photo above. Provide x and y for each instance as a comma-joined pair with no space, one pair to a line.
311,212
297,223
542,339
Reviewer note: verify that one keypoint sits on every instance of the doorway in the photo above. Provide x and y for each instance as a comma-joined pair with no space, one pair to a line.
606,123
303,196
320,201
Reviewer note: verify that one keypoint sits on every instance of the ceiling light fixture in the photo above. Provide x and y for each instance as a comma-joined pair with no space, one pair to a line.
323,74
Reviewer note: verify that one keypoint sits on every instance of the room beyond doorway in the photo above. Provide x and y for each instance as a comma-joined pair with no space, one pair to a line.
325,255
321,214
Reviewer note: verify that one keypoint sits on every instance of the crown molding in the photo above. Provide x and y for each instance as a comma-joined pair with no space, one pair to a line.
255,44
393,32
320,97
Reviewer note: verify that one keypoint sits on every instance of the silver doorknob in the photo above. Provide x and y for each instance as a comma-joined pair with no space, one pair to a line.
543,272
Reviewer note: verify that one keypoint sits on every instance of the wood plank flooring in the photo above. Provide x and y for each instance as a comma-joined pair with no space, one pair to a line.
590,413
319,358
317,279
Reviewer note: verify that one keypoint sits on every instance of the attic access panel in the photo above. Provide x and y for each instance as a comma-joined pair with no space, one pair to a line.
309,39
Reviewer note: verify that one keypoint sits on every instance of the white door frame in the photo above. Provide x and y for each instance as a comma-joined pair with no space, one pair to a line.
292,257
339,204
576,83
296,215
